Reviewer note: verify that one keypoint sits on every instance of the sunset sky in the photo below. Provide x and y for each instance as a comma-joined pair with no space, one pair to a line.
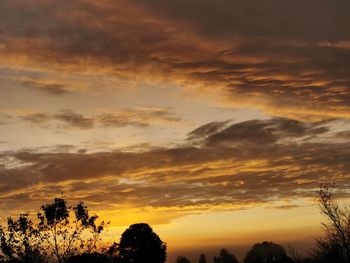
215,121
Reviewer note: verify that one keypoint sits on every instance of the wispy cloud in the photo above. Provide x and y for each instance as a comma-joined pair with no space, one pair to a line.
139,117
49,87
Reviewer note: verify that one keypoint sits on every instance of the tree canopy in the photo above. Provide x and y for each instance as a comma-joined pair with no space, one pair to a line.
139,244
267,252
225,257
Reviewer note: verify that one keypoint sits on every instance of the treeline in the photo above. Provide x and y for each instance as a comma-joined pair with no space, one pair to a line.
332,247
264,252
65,234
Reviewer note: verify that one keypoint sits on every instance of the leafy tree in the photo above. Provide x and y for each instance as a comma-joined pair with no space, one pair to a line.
139,244
20,240
63,234
181,259
202,259
225,257
334,246
267,252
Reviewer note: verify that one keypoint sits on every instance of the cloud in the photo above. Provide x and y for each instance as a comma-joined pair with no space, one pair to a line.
276,56
66,117
225,167
257,131
51,88
36,118
272,18
139,117
74,119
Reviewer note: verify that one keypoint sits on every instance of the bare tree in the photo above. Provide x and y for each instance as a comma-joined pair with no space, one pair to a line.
334,246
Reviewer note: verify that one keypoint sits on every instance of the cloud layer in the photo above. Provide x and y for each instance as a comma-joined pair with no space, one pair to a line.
288,58
220,165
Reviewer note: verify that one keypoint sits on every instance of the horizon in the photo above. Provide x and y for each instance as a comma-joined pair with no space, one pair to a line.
215,122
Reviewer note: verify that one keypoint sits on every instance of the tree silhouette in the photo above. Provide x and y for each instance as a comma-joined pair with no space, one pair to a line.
225,257
64,235
202,259
181,259
139,244
57,236
267,252
334,246
20,240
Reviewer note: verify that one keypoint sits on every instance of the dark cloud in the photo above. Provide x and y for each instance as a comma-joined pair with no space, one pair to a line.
282,54
74,119
138,117
314,20
225,168
344,134
207,130
36,118
257,131
67,117
49,88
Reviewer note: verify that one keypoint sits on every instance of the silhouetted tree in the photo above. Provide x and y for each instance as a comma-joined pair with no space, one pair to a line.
63,234
225,257
57,235
20,241
334,246
267,252
181,259
202,259
139,244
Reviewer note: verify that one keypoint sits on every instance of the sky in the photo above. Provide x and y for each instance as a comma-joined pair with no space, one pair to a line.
213,121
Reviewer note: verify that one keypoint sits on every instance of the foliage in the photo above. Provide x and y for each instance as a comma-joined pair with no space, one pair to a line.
139,244
267,252
225,257
20,240
59,233
64,235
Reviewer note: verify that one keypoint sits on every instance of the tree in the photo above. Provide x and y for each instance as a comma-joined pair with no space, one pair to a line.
225,257
20,240
63,234
181,259
56,236
334,246
202,259
267,252
139,244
